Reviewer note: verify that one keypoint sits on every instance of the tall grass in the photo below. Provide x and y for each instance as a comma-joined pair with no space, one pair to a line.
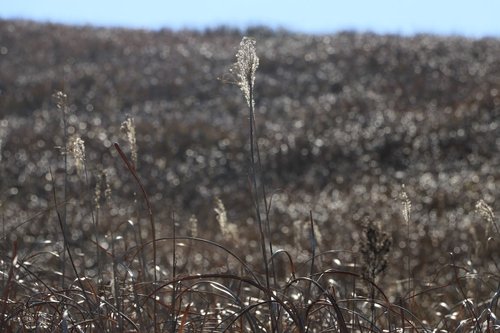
128,278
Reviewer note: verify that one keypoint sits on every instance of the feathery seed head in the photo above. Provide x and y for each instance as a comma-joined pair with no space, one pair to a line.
406,205
486,212
128,128
229,230
220,214
245,67
77,151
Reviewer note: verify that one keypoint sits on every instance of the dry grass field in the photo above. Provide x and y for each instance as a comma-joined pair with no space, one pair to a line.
161,181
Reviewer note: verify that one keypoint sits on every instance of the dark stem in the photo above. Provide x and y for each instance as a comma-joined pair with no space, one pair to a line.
64,232
132,170
253,176
65,191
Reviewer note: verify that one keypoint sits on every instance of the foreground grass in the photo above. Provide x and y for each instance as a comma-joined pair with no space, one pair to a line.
95,269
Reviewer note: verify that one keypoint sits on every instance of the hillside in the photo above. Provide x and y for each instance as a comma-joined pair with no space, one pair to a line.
344,120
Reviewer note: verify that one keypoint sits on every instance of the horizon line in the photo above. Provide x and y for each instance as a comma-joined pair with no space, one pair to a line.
276,28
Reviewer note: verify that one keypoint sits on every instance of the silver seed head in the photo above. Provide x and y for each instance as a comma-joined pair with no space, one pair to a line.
245,67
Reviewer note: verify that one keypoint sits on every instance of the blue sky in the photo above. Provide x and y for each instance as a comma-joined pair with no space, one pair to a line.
476,18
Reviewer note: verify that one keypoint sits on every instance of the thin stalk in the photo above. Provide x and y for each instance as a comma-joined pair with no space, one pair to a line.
266,204
174,273
409,262
138,239
132,170
64,232
65,190
253,176
94,223
97,250
94,217
116,285
313,250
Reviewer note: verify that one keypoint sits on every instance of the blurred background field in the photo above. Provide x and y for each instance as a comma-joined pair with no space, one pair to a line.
344,120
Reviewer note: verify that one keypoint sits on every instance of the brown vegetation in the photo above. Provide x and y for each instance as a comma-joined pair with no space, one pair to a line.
342,121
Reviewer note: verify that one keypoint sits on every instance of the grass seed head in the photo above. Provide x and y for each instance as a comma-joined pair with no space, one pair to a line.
406,205
486,212
245,67
61,100
77,151
220,214
228,229
128,128
193,226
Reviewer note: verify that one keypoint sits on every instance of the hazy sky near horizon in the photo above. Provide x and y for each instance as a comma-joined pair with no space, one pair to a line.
477,18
